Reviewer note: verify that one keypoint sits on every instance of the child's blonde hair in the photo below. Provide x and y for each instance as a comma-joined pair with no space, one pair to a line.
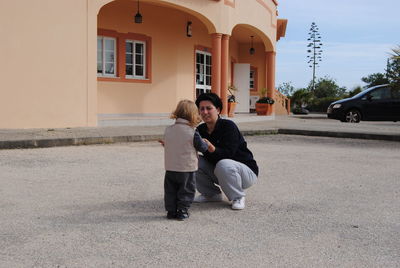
187,109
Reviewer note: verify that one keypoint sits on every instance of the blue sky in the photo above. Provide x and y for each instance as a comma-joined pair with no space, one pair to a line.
357,37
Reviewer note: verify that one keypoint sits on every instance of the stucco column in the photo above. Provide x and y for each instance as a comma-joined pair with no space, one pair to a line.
270,75
216,64
91,73
224,72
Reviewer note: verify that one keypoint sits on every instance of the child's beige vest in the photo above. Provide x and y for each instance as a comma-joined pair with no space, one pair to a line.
179,152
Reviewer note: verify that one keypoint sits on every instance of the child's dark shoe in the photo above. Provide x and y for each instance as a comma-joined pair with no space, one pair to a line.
182,214
171,215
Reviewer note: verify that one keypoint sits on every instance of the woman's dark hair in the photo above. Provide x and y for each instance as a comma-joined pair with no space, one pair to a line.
212,97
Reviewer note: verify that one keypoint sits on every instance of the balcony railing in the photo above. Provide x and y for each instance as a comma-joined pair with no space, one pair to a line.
282,103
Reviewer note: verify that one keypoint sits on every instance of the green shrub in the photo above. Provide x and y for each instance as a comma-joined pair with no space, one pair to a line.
266,100
321,104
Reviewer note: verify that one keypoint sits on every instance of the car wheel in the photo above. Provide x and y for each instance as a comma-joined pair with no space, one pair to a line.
353,116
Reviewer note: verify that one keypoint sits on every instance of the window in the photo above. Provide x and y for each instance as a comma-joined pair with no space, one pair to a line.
253,78
396,93
203,72
106,56
252,73
380,93
123,57
135,59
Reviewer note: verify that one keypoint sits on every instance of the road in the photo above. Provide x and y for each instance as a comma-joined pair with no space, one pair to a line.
319,202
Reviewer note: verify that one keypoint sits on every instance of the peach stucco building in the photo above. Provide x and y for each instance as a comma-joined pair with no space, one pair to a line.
69,63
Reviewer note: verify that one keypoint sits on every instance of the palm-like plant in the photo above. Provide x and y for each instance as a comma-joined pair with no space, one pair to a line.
393,68
265,99
314,49
396,53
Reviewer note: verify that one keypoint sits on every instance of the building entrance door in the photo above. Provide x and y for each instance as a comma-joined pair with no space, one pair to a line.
241,80
203,72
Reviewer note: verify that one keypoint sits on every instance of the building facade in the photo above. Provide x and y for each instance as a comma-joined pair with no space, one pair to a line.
67,63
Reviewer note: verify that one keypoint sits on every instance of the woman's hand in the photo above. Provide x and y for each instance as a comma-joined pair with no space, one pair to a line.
211,147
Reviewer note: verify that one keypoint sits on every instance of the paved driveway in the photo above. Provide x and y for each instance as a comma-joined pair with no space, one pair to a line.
319,202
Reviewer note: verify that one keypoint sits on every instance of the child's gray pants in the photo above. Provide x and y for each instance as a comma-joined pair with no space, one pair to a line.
179,190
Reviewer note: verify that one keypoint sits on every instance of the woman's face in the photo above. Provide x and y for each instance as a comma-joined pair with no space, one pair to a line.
208,112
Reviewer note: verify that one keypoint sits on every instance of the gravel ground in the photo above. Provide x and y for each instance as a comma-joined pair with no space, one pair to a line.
319,202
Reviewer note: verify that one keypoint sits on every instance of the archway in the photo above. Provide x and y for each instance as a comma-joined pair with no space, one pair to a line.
148,62
250,47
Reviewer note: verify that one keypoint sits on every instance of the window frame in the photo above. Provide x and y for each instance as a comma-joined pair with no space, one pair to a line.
204,52
103,55
254,70
134,75
120,69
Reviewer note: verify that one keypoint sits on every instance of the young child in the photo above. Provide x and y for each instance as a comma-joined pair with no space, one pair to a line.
181,143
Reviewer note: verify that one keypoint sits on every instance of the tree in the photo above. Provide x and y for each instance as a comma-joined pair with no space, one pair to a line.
355,91
375,79
393,68
286,88
301,97
325,92
315,50
392,75
396,52
327,88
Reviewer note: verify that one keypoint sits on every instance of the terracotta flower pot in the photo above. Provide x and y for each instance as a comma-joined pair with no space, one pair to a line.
262,108
231,109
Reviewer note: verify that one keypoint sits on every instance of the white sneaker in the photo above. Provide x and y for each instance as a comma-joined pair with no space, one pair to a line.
203,198
238,204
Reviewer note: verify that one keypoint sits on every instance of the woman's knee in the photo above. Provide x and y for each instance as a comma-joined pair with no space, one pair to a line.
223,167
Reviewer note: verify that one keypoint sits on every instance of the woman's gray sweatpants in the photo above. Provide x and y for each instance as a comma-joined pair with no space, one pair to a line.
232,176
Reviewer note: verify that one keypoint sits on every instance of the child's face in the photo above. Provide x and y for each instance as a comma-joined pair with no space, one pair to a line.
208,112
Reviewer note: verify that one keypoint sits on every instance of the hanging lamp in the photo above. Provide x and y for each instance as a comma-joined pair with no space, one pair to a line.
252,50
138,16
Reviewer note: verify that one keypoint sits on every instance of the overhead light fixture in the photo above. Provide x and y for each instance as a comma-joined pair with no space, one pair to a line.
138,16
189,29
252,50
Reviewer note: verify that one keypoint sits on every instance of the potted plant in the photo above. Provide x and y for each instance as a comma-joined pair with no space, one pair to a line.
263,104
231,101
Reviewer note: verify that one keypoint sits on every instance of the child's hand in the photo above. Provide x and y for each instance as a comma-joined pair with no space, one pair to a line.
211,147
162,142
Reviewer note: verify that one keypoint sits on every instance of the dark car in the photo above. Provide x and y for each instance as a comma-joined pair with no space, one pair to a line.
379,103
300,110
